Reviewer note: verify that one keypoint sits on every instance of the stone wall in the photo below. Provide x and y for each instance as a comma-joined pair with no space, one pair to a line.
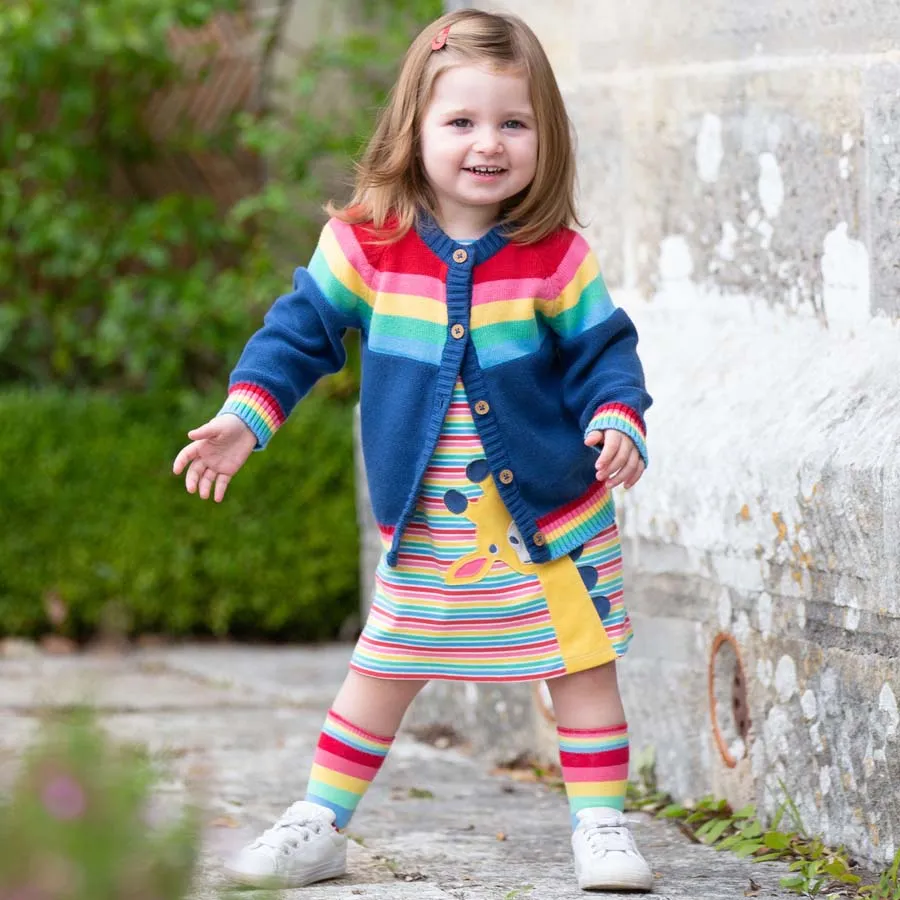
740,173
740,177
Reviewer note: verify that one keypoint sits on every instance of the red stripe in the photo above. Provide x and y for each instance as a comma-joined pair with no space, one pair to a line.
606,758
339,748
596,489
262,396
626,412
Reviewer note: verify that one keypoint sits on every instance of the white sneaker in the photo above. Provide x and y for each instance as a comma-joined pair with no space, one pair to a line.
606,858
302,847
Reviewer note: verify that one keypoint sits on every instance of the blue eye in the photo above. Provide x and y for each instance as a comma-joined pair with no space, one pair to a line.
514,124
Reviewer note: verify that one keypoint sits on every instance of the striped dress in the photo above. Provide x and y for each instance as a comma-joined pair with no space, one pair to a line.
465,602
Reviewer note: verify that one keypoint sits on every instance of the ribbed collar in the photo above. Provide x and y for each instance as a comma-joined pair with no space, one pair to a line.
442,245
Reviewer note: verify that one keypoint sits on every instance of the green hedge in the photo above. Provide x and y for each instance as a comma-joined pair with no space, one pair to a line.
95,523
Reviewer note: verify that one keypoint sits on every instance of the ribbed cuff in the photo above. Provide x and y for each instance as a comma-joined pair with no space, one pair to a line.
620,417
256,408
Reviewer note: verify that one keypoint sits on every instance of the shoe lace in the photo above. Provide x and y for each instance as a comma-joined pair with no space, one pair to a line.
603,838
300,826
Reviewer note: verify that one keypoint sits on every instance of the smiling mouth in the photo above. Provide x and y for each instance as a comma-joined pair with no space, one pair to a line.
485,170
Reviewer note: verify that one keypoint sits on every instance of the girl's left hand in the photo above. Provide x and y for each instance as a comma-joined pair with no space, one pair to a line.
619,461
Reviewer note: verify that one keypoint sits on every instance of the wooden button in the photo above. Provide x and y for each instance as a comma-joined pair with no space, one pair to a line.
457,331
539,539
460,256
482,407
506,476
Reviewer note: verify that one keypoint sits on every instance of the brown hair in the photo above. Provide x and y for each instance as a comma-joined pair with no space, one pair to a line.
391,186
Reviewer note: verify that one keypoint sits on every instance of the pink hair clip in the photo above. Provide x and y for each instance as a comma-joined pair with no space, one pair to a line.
440,39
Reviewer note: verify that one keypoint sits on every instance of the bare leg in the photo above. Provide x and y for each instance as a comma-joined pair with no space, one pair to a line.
588,699
376,705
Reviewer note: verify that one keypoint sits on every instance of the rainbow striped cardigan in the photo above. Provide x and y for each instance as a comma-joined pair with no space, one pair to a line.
544,355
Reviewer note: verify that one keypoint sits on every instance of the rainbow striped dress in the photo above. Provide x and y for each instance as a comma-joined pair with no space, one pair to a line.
465,602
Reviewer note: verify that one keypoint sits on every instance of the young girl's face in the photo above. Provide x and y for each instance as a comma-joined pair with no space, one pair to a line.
479,145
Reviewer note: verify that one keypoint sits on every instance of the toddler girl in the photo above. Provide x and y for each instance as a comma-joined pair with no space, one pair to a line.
494,368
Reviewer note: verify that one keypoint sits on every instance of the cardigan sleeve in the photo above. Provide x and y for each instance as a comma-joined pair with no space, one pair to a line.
603,380
301,338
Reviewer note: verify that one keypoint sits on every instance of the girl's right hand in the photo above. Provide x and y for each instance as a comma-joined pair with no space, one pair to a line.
217,450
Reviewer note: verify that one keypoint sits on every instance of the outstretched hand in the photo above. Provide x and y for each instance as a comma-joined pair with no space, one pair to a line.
619,462
216,452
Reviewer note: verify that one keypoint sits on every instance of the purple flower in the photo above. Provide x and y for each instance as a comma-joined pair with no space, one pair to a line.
64,798
23,893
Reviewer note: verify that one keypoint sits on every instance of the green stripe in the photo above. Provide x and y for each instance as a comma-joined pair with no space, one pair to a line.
347,799
407,327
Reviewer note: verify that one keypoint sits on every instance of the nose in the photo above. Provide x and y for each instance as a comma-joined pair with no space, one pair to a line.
487,141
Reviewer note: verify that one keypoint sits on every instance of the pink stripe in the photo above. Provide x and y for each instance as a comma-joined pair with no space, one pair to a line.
394,282
547,649
596,773
507,289
344,766
405,283
574,257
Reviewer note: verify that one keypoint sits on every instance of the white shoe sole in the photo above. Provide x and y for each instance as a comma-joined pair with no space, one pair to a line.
623,882
323,872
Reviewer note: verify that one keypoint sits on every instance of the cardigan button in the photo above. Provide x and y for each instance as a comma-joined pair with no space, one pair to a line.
482,407
457,331
460,256
539,539
506,476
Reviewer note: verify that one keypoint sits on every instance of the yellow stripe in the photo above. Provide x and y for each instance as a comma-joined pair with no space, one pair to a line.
337,779
341,267
411,306
502,311
595,788
571,293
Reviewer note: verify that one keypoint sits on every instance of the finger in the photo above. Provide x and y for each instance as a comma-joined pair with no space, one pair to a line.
626,471
206,483
594,438
631,482
221,487
621,459
204,432
194,472
185,455
611,443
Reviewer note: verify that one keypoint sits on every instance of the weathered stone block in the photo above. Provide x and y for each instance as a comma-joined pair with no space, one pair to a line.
738,181
660,32
882,118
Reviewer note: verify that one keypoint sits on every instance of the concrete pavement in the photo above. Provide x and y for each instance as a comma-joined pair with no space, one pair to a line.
237,726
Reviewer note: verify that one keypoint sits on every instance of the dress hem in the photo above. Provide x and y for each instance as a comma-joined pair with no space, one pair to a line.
578,664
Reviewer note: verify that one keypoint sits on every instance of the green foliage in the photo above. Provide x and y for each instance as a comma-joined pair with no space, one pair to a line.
79,824
97,527
102,280
888,885
815,868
